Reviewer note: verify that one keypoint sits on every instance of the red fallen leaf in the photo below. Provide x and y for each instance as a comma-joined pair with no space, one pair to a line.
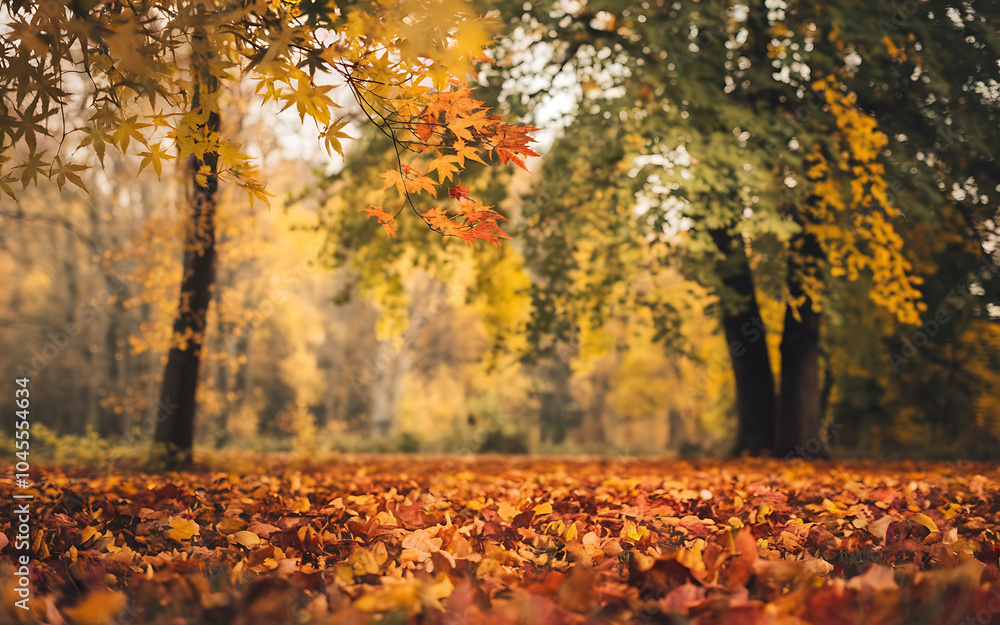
263,529
492,528
989,552
897,531
523,519
163,493
412,516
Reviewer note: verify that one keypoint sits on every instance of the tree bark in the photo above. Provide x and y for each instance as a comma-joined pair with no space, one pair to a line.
746,339
801,407
175,413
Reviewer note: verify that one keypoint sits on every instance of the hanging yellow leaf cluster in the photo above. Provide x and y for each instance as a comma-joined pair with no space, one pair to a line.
852,219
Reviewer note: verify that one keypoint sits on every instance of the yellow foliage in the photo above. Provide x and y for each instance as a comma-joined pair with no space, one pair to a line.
852,222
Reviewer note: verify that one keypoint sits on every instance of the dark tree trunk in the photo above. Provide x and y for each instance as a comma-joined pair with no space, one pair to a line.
746,338
801,406
558,412
175,413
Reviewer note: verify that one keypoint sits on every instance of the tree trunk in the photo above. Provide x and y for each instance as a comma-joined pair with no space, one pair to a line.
557,412
801,407
175,413
746,338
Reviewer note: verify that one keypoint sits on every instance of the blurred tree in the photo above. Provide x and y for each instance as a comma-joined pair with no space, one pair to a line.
154,81
756,133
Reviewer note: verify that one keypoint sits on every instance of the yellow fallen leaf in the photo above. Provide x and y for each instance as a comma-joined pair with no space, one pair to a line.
506,511
571,532
87,534
301,505
924,520
182,529
247,539
230,525
542,508
98,608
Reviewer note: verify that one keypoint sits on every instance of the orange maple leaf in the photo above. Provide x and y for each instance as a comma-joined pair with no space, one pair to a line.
384,218
464,151
510,141
438,219
445,165
490,231
453,104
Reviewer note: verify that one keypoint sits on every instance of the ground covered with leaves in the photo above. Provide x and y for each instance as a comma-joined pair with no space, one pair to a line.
493,540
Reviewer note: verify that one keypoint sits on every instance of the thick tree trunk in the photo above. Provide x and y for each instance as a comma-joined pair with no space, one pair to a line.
746,338
175,414
557,412
801,407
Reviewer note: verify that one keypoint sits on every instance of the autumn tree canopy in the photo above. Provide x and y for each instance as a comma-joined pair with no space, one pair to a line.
153,79
778,150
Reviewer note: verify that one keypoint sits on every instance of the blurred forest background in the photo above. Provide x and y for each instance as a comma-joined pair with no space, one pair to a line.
599,327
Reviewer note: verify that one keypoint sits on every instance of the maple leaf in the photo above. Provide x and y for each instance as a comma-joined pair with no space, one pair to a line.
332,136
512,141
424,127
393,177
438,219
155,157
31,168
458,192
488,230
68,172
464,151
472,210
310,99
127,130
453,104
445,166
383,218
